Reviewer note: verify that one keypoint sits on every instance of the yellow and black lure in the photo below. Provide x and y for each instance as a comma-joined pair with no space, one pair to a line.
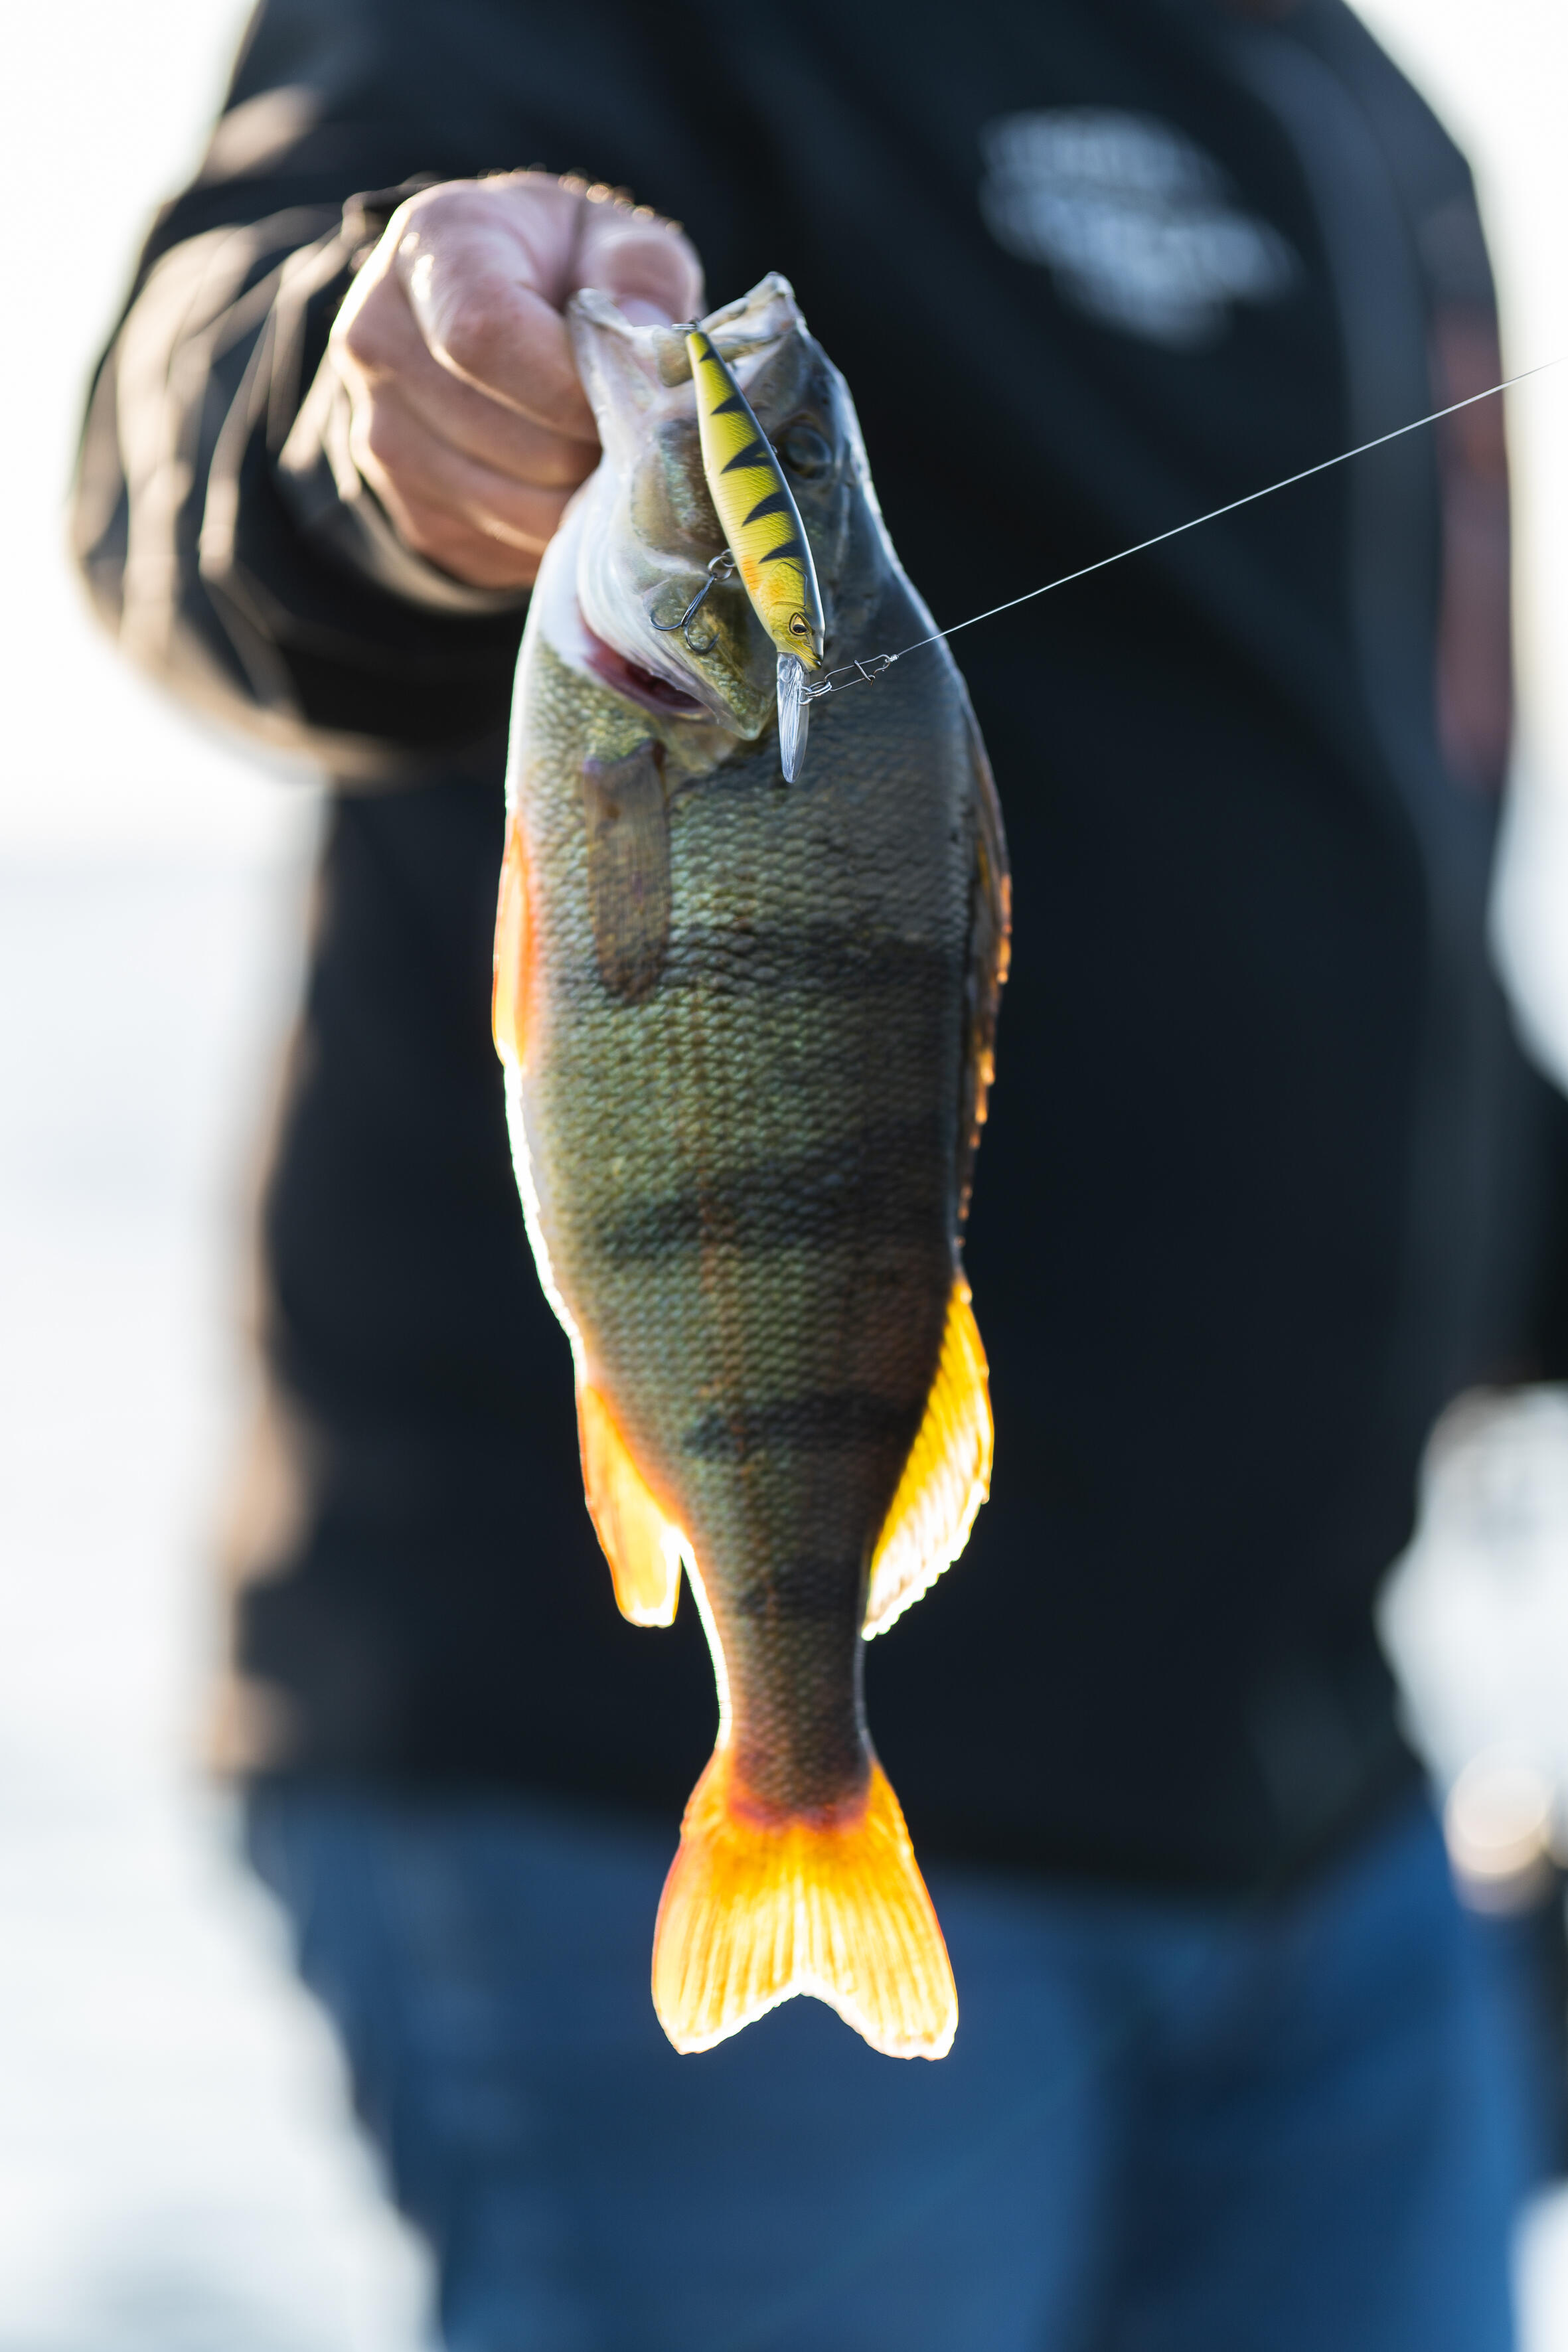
767,538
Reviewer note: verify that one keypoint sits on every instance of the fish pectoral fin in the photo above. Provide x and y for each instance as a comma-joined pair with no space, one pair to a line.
508,988
946,1478
756,1910
643,1547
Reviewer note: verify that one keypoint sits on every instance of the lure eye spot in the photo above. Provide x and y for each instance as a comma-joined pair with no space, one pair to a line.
799,626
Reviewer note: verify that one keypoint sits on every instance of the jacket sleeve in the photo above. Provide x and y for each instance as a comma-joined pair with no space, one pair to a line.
271,594
227,538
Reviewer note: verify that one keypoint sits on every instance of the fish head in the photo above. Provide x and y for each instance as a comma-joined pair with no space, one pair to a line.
644,540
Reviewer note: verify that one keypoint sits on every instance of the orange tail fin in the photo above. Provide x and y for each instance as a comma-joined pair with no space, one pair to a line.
754,1912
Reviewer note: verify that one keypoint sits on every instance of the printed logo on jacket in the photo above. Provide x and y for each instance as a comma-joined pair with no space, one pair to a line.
1138,227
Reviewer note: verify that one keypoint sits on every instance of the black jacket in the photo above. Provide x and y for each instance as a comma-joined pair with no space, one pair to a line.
1264,1182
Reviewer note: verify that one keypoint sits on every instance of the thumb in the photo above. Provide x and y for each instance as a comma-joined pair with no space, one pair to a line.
646,267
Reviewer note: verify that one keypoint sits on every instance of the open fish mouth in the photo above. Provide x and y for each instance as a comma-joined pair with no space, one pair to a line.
639,685
632,662
563,623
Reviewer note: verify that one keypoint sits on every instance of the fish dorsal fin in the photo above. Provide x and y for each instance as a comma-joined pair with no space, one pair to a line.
990,928
758,1908
946,1478
644,1548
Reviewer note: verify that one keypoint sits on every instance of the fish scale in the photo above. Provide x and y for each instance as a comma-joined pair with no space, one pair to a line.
747,1027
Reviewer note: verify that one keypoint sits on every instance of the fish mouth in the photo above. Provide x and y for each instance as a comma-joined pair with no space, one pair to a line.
559,616
628,677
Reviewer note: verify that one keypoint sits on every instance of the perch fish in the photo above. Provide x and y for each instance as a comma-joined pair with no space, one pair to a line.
747,1030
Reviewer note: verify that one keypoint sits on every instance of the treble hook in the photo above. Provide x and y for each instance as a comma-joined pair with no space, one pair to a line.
721,568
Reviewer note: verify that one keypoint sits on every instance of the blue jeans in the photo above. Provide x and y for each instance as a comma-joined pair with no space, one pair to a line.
1167,2125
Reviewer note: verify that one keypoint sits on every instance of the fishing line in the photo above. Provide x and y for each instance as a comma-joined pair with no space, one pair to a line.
874,665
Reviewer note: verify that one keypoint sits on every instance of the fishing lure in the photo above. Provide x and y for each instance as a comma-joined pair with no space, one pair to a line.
767,540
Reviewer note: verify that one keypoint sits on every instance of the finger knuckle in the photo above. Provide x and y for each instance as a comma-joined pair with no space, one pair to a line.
467,335
425,529
380,437
446,539
428,208
359,335
373,444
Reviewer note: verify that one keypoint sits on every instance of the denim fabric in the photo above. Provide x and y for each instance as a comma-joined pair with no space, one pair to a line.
1166,2126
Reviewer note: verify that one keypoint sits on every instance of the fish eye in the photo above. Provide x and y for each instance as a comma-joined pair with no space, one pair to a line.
799,626
803,450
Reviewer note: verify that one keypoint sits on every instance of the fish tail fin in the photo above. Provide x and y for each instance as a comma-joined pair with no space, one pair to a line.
645,1548
946,1479
757,1909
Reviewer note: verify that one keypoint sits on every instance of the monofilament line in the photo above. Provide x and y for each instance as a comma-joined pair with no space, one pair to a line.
875,664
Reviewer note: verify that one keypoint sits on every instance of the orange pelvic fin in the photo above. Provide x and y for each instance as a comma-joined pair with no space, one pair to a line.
508,990
755,1911
644,1548
946,1478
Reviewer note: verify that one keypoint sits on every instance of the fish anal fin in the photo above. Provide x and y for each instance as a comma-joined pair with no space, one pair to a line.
643,1547
946,1479
509,993
759,1908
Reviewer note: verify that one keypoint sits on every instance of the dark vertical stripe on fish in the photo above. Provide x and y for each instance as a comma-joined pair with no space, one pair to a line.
862,1183
836,1422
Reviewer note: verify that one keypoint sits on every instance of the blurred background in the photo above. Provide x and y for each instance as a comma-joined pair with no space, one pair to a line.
178,2169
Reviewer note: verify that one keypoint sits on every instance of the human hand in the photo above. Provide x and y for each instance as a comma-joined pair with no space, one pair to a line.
466,414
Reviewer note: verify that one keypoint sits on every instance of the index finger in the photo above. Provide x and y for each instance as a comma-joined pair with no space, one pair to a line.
484,270
645,266
487,268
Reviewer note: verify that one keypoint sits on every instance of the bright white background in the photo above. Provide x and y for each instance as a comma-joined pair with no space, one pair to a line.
177,2170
